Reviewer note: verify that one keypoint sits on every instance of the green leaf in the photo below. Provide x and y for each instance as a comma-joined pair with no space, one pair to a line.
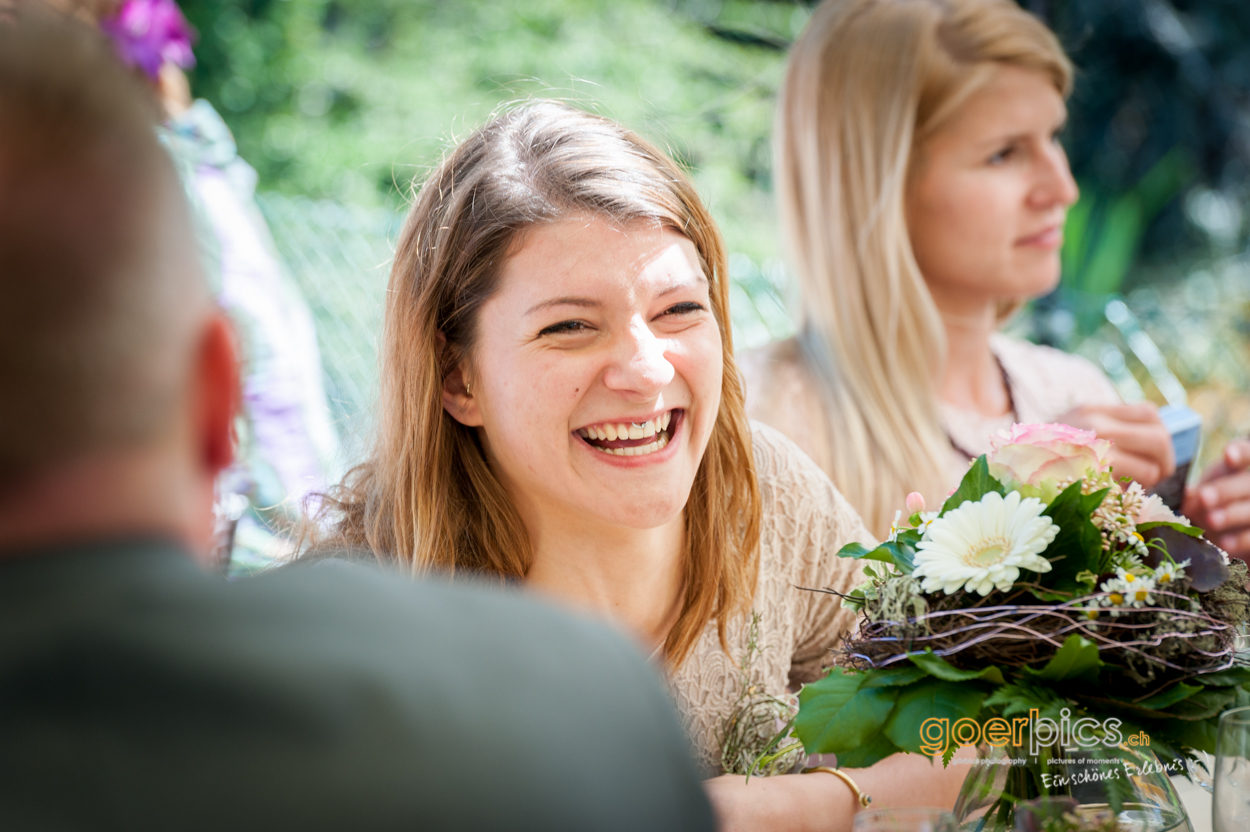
901,555
1204,705
893,677
836,715
1018,698
1077,660
931,699
975,485
1198,734
857,551
873,751
1077,547
935,665
1192,531
1169,697
1225,678
1091,502
898,554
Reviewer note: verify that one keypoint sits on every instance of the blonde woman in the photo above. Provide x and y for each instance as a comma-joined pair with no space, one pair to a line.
923,191
561,408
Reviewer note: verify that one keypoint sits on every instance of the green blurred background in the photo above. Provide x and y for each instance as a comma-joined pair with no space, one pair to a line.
340,104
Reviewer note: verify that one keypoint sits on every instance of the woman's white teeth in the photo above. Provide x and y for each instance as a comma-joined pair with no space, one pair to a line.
629,430
640,450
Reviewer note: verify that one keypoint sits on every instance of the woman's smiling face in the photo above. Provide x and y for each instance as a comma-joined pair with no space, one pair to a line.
595,375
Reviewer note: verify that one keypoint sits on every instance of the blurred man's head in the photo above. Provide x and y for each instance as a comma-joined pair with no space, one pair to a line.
104,316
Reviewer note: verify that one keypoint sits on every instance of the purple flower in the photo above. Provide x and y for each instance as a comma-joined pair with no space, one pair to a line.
147,33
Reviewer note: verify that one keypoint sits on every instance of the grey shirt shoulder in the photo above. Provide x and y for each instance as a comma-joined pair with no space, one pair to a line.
141,694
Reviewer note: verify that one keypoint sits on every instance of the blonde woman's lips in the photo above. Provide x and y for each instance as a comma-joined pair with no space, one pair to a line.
1047,238
630,438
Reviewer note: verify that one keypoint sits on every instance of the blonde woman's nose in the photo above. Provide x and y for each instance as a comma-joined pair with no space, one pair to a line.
640,362
1055,185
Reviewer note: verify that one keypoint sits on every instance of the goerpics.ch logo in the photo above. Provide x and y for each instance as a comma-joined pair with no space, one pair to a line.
937,734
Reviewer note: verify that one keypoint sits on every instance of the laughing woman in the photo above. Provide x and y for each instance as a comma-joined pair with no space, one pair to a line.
560,408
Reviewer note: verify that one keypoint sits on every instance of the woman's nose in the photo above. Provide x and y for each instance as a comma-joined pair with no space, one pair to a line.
1055,185
640,364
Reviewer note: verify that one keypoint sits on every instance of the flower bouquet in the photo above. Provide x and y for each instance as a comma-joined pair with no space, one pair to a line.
1065,623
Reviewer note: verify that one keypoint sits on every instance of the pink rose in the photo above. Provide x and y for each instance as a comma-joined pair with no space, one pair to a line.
1034,459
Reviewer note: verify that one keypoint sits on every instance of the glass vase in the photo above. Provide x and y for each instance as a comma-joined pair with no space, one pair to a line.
1124,789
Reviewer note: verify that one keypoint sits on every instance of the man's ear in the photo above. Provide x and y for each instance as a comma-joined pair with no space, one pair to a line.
459,398
219,394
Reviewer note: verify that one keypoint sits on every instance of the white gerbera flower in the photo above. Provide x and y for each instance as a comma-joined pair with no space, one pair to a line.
983,545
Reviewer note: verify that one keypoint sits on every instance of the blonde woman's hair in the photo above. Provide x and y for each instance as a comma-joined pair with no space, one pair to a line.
428,498
868,82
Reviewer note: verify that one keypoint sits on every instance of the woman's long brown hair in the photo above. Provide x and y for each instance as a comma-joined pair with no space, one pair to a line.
427,497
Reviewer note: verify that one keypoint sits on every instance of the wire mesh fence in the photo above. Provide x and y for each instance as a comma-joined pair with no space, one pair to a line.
340,256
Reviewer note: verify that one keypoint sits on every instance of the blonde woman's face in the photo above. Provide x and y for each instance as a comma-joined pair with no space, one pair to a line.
988,197
596,377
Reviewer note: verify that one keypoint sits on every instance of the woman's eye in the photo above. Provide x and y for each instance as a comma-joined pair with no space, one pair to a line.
684,308
563,327
1002,155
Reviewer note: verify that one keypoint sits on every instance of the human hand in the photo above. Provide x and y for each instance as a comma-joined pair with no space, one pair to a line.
1220,504
794,802
1142,446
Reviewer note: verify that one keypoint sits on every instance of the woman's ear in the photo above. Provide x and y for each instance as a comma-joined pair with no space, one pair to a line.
459,399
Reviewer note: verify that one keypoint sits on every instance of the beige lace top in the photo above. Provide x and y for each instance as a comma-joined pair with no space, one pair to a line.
1045,383
805,522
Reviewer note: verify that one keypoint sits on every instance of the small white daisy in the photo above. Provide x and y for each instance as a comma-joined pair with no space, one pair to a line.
1167,571
897,526
983,545
1140,592
926,520
1091,610
1117,596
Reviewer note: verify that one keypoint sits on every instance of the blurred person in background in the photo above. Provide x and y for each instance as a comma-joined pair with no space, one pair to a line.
923,191
561,409
288,447
139,692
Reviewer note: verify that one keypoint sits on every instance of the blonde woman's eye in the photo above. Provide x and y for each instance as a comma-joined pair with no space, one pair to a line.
1002,155
564,327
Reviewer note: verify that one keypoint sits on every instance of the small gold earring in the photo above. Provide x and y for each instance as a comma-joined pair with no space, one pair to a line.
468,389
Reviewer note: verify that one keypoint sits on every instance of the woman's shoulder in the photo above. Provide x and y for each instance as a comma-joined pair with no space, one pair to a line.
1051,379
781,392
804,514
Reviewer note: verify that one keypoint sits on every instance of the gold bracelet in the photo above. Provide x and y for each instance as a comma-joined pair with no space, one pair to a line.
864,800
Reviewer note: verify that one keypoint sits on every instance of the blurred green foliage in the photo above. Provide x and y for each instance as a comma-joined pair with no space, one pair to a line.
352,99
1159,135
